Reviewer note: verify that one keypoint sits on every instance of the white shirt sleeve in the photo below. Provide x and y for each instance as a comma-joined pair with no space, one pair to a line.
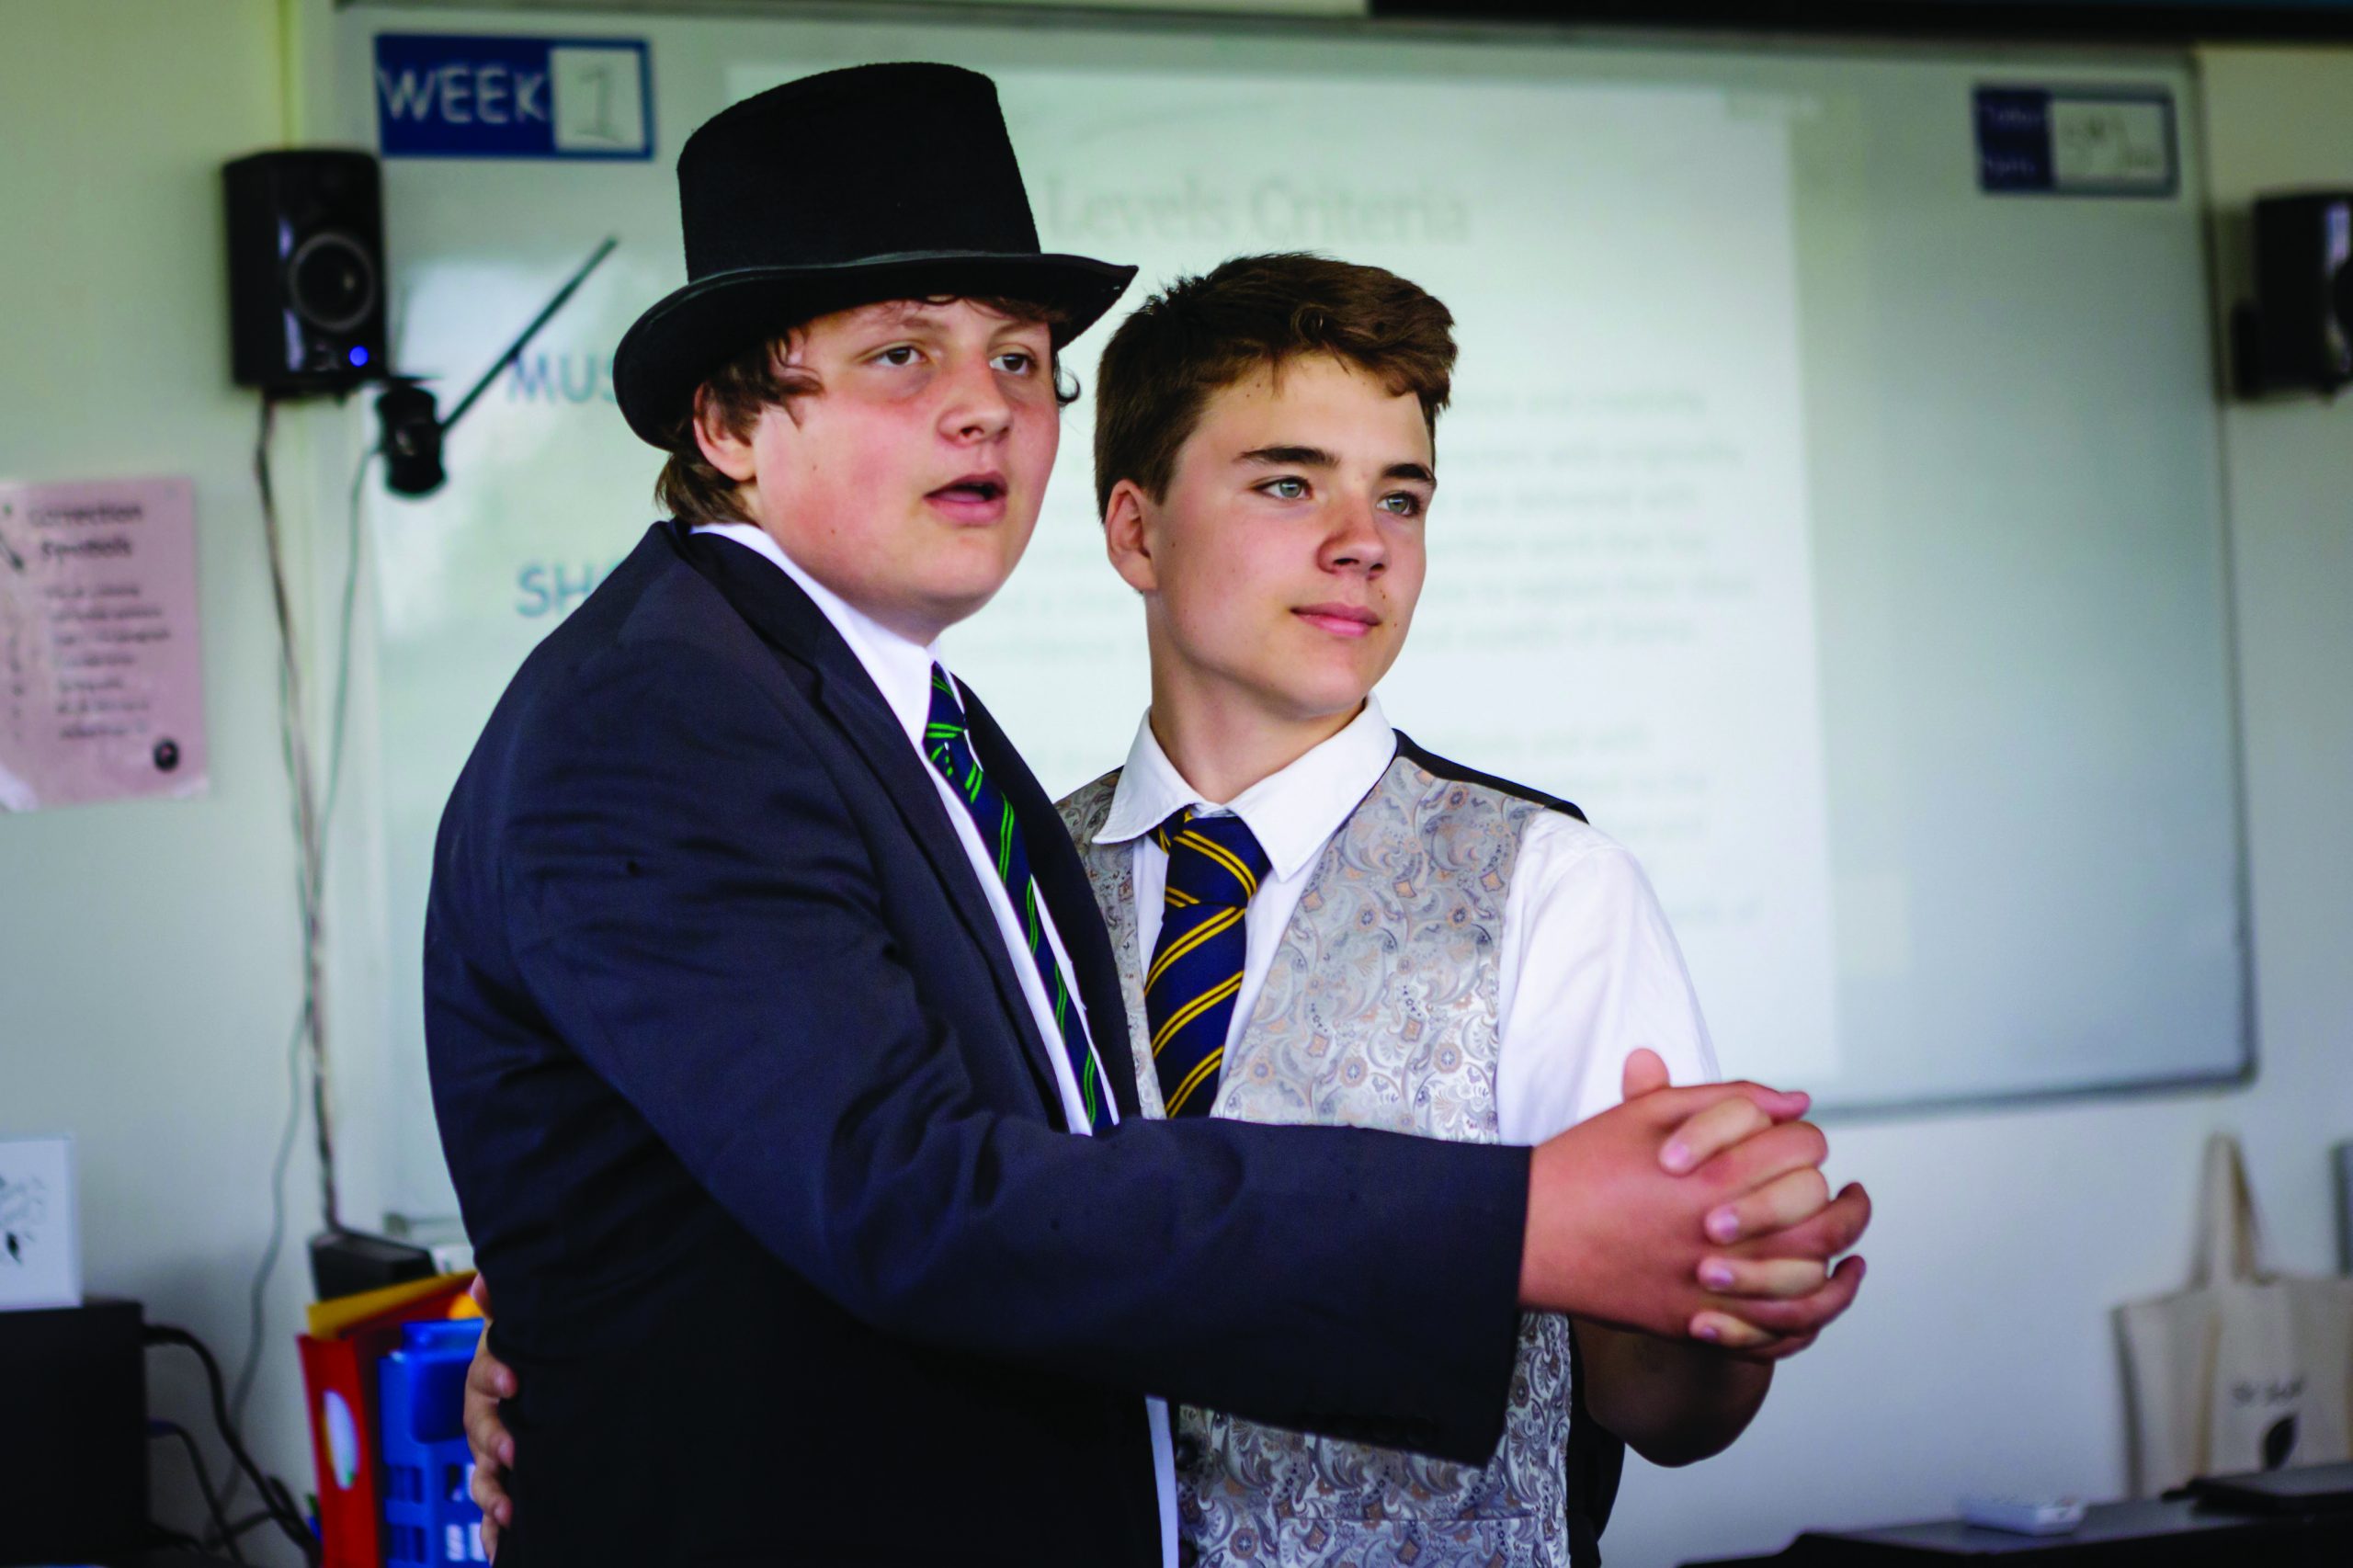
1589,972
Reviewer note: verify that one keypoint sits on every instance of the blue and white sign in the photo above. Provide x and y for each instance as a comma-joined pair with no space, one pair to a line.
468,95
2077,142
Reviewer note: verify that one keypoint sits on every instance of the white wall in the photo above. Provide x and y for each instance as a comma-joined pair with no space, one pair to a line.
1980,1355
148,952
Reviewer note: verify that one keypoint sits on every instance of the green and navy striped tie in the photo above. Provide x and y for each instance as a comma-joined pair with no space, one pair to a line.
951,751
1214,868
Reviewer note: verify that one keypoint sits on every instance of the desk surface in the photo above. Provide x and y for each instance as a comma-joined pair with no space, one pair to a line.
2105,1522
2174,1533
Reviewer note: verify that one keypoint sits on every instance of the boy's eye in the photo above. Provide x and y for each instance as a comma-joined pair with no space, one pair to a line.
1017,362
1404,504
897,354
1286,489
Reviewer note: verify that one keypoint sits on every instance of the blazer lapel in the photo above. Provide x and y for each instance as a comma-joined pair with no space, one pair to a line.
774,606
1070,899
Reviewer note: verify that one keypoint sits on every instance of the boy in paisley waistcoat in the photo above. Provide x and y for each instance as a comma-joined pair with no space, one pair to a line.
1318,921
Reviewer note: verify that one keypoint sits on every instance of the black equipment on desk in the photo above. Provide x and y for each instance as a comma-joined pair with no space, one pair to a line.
2313,1489
350,1263
2298,1518
73,1433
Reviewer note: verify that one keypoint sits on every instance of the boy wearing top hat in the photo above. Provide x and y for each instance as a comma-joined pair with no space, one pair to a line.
769,1012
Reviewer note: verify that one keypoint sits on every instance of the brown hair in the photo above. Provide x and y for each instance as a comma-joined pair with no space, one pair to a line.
762,374
1202,335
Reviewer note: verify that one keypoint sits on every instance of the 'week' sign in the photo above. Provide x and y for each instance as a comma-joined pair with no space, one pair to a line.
467,95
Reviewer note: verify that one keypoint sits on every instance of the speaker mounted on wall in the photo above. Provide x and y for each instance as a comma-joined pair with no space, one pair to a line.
2297,334
306,273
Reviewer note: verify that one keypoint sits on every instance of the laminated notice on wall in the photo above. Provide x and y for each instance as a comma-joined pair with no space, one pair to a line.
101,677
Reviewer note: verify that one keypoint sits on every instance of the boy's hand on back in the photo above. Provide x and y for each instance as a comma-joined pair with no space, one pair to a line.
1626,1209
488,1380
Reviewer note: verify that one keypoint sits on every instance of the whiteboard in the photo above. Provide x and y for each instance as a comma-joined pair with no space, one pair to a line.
1846,541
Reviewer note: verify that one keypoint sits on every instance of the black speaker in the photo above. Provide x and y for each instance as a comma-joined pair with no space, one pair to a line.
306,270
2298,334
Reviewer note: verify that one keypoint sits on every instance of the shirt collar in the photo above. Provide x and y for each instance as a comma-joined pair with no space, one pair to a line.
900,668
1291,813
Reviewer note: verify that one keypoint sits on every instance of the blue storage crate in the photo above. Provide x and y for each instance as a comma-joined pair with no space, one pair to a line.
421,1387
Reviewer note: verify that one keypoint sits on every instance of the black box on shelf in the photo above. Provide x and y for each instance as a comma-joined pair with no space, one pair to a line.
73,1433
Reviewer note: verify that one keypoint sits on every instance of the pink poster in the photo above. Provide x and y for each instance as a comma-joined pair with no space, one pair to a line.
101,677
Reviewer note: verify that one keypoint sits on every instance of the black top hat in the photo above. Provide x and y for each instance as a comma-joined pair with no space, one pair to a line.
880,182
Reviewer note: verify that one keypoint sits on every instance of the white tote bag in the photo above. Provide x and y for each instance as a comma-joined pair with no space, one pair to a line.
2245,1369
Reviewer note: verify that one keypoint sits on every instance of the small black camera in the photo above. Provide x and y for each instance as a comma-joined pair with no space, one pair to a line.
411,440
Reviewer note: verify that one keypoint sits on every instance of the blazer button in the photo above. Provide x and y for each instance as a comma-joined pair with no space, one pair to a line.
1189,1453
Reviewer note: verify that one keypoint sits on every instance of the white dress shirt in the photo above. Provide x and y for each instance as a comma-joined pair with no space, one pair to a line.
1590,969
901,669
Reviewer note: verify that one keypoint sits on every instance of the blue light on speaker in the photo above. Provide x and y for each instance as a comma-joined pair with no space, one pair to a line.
358,357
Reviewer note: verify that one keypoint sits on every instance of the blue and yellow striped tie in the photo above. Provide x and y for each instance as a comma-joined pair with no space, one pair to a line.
1214,868
951,751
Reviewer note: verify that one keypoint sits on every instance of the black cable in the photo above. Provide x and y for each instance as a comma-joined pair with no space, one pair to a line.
282,1508
164,1535
293,735
294,751
343,646
273,1494
240,1527
256,1292
204,1478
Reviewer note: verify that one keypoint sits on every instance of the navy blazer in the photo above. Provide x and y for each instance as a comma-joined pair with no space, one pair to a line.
759,1147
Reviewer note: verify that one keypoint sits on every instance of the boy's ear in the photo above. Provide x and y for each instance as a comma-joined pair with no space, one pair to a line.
725,450
1126,539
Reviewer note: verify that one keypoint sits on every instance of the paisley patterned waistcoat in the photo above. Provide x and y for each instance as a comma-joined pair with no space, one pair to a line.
1380,1010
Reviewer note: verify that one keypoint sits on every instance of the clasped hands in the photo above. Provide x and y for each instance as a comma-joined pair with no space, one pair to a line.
1698,1213
1690,1214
